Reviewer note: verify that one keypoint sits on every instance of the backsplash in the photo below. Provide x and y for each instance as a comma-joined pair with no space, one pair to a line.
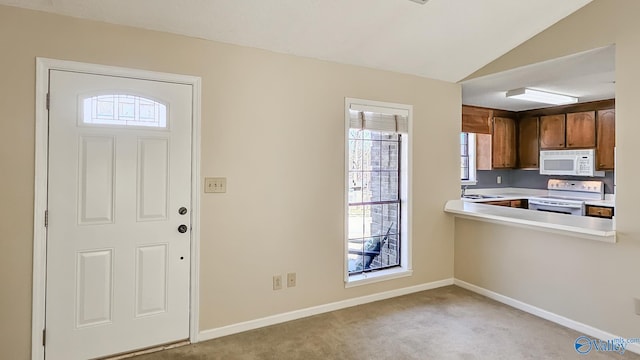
531,179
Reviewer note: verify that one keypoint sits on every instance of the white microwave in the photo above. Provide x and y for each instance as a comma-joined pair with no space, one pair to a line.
580,162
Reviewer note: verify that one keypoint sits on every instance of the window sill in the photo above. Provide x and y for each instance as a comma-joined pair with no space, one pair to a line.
378,276
468,182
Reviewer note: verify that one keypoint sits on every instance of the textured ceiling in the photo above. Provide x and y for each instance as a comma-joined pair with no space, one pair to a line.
443,39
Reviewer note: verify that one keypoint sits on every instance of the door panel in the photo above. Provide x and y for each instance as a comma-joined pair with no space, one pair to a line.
119,170
94,287
96,180
153,178
151,280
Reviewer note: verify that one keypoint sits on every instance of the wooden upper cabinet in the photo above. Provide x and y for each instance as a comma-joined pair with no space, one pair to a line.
503,143
606,135
581,130
528,149
552,130
476,120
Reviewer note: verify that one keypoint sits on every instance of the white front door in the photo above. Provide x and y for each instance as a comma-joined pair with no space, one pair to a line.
119,190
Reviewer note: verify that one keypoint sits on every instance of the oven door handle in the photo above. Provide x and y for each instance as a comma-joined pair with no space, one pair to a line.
543,203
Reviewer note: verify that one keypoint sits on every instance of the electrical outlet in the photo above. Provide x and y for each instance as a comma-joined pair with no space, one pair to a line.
499,179
215,185
277,282
637,303
291,279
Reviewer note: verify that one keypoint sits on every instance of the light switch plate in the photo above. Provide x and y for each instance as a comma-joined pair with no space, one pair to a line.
215,185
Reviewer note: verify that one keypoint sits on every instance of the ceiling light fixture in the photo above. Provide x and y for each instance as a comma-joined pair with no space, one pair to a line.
422,2
541,96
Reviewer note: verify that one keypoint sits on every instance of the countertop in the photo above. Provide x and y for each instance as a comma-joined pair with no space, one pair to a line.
580,226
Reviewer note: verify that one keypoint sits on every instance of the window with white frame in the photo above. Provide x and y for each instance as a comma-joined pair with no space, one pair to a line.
377,187
468,158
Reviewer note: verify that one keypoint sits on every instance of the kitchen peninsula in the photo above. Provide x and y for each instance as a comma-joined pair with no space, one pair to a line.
586,227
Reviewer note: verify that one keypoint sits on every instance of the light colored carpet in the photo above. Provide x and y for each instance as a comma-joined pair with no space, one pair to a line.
445,323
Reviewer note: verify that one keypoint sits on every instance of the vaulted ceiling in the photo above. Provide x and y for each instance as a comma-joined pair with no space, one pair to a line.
442,39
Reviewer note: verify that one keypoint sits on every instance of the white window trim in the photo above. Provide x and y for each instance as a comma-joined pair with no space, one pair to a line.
473,179
406,171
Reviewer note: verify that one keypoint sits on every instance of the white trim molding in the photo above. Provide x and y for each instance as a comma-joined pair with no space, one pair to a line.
547,315
43,66
315,310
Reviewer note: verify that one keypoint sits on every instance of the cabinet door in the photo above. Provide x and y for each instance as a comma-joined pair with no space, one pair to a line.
476,120
504,142
552,131
581,129
528,148
606,136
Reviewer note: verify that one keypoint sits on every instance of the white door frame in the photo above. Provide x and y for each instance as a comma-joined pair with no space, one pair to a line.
43,65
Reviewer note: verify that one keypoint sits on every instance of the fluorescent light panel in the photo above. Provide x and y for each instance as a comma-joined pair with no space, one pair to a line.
541,96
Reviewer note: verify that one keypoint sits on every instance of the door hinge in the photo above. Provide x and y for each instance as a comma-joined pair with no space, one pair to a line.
46,218
44,337
48,100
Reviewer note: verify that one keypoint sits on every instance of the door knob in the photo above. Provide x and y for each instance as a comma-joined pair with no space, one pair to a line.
182,210
182,229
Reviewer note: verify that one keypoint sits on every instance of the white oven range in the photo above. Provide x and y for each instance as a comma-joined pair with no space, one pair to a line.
567,196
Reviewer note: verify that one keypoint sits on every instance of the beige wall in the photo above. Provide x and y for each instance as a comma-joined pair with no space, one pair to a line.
586,281
273,125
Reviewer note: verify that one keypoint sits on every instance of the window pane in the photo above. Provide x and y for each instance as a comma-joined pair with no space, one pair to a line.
369,155
390,219
388,186
374,221
356,222
389,252
464,138
372,187
389,155
355,187
355,155
464,173
124,110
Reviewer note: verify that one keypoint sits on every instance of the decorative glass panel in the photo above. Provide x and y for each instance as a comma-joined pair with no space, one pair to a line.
124,110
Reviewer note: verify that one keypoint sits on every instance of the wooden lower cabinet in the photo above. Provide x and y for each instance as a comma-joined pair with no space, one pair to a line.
599,211
520,203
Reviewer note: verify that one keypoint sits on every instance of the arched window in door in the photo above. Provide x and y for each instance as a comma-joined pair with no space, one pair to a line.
124,110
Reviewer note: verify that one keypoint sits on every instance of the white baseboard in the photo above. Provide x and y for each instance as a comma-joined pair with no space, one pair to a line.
547,315
315,310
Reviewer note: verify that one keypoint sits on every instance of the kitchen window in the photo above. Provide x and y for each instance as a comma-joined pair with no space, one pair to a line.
467,158
377,191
